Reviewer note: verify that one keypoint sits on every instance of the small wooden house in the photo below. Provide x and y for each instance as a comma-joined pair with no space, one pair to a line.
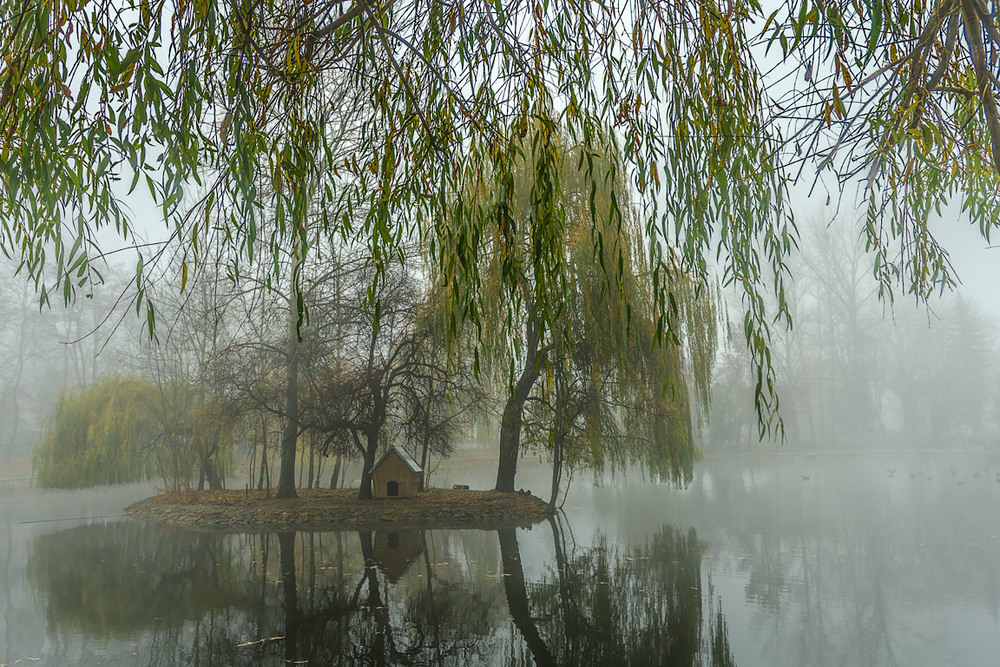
396,475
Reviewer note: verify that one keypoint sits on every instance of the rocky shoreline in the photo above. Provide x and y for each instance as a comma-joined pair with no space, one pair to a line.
340,509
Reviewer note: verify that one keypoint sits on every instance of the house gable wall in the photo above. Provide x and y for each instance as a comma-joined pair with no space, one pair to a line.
393,468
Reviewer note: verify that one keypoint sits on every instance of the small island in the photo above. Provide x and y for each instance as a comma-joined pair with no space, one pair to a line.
341,509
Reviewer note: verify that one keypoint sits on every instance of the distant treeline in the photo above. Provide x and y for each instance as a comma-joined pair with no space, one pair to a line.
856,372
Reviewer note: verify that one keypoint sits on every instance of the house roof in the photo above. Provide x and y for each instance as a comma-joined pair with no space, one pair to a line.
407,459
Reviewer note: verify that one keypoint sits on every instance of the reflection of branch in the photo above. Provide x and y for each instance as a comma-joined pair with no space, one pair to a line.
562,568
265,640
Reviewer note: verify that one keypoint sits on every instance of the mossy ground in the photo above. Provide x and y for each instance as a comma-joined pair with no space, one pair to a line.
332,509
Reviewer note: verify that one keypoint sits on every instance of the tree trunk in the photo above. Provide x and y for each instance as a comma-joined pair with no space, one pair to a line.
252,463
209,471
312,462
558,445
336,473
513,412
212,475
286,478
426,436
561,422
371,437
302,463
371,442
423,465
264,472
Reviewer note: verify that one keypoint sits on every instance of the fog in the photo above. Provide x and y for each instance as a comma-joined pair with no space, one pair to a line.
863,368
45,348
856,371
864,535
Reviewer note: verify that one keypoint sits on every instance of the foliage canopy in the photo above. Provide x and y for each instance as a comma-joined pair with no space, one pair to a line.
900,97
572,343
371,113
122,430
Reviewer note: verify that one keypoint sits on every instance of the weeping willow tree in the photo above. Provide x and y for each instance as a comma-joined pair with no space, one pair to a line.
620,389
242,119
570,326
900,97
122,430
244,102
97,435
195,436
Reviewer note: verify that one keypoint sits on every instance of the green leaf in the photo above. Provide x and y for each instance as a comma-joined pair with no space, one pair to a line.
875,10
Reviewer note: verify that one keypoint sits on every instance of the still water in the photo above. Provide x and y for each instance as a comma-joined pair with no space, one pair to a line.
774,561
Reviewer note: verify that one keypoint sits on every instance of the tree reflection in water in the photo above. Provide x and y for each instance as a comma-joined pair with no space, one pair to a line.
604,605
121,578
442,597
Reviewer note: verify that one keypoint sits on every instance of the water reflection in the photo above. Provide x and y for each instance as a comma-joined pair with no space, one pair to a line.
852,566
120,578
651,597
376,598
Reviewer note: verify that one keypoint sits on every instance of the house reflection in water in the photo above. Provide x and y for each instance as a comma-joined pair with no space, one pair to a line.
396,550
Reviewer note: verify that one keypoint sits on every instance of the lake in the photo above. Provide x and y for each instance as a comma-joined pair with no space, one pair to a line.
770,560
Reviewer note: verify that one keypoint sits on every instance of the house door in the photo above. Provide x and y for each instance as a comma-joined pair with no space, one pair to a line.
392,489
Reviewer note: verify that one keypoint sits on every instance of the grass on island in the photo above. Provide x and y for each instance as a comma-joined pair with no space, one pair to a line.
342,508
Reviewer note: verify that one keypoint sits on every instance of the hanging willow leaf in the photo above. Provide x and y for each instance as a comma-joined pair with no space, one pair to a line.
372,115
